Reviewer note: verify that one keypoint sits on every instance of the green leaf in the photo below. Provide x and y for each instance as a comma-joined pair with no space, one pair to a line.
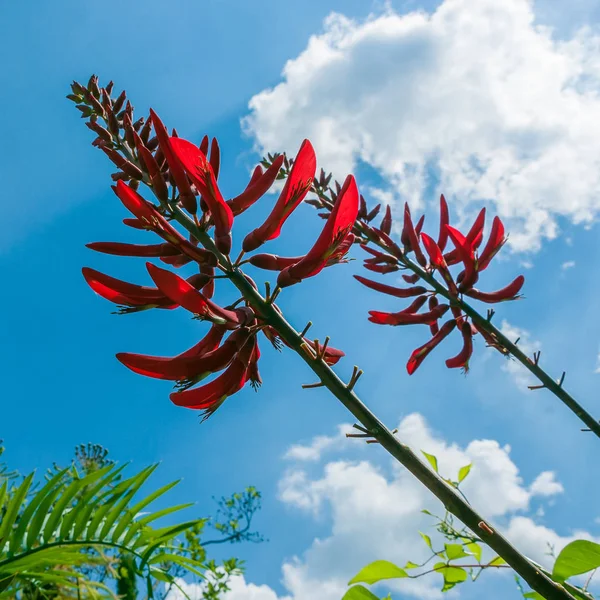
464,471
452,575
454,551
576,558
411,565
496,561
432,460
533,595
475,549
377,571
12,510
426,539
359,592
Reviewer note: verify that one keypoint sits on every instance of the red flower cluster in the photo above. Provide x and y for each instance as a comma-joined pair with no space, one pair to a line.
431,257
181,176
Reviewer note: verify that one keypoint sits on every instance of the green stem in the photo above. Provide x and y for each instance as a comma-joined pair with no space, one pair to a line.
447,495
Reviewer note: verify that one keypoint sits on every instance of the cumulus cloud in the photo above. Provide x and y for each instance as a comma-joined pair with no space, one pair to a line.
474,99
375,512
382,509
319,445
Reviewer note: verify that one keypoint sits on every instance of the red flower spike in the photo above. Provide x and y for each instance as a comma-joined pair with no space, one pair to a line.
461,360
386,222
294,191
124,293
444,220
391,290
210,396
510,292
187,367
494,243
337,228
119,249
258,186
421,353
190,298
411,235
186,195
405,318
201,173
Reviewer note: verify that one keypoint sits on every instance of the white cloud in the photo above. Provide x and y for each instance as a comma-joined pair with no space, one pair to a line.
376,513
382,510
499,108
520,374
569,264
546,485
239,590
319,445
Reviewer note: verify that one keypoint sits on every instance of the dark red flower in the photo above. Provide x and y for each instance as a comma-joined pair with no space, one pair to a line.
421,353
186,194
147,214
337,228
212,395
294,191
188,297
201,173
258,186
461,360
149,250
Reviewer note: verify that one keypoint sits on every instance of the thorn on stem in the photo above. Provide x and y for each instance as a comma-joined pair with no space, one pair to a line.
356,373
305,330
309,386
536,387
536,357
562,378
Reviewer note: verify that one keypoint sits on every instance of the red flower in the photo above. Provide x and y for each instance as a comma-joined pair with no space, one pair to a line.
259,184
201,173
494,243
137,297
391,290
419,355
294,191
184,294
186,195
149,250
461,360
406,317
182,367
337,228
146,213
210,396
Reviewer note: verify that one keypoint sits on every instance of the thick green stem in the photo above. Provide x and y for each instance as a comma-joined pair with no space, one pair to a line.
446,494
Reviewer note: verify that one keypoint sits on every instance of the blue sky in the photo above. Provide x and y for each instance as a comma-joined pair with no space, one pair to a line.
199,64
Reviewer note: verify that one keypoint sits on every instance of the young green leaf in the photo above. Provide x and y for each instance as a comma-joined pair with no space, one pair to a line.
464,471
359,592
576,558
377,571
432,460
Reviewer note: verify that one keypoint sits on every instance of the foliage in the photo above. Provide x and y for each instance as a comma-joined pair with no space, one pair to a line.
85,531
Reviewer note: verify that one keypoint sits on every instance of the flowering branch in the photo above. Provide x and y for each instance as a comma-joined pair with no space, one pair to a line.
396,259
167,162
